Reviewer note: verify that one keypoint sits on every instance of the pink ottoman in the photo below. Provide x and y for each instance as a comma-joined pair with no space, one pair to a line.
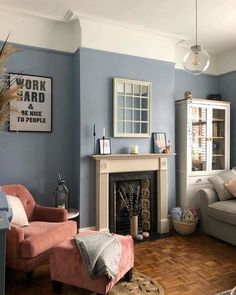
67,266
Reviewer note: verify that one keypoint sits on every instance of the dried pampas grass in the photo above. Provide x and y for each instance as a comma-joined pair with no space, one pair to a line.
7,91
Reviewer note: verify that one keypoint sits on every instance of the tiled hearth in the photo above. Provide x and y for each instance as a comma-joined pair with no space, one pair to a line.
118,163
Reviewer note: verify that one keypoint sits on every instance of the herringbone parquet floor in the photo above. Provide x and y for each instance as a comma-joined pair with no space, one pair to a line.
191,265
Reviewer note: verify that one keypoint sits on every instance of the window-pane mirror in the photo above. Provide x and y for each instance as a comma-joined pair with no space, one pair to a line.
132,108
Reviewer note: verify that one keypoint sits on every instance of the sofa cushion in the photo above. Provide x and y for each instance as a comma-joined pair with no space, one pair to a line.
231,186
41,236
19,216
223,211
218,183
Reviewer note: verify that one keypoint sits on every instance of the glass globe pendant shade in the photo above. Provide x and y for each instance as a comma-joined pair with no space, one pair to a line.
196,61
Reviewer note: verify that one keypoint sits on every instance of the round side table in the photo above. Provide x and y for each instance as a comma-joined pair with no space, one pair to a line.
73,213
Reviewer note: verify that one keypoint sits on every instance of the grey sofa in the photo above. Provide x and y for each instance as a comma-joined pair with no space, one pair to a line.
217,218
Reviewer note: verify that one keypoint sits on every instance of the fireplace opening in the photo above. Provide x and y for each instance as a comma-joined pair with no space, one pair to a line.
140,187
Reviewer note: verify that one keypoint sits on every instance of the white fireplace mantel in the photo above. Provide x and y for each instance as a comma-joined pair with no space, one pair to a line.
115,163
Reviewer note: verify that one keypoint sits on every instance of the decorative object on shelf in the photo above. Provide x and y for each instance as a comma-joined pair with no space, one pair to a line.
187,94
159,142
34,106
8,93
196,60
134,149
132,108
168,148
61,193
216,96
104,146
94,139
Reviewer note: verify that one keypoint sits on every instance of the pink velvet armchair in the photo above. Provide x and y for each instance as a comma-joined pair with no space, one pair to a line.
27,247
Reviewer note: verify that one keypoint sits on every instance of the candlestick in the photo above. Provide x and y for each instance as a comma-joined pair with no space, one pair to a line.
94,138
104,132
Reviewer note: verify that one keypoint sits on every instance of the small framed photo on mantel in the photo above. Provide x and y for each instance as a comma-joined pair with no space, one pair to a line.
104,146
159,142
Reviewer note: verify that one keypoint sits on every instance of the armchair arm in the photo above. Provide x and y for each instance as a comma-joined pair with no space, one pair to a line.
49,214
207,196
14,237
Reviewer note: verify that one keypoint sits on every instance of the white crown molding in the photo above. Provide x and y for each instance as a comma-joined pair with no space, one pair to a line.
77,29
32,13
169,38
113,36
34,31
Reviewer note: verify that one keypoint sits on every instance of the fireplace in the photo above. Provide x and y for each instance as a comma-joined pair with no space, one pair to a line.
123,163
142,184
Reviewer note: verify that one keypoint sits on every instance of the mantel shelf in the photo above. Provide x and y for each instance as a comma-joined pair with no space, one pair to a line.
131,156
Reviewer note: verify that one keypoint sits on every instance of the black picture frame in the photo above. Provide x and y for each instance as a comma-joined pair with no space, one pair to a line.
48,115
104,146
159,142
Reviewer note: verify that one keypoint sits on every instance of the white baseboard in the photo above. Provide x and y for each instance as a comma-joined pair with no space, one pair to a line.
87,228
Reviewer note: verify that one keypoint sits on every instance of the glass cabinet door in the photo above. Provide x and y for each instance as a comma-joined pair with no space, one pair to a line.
199,138
218,139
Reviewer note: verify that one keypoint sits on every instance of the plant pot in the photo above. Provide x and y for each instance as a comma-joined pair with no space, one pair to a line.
134,226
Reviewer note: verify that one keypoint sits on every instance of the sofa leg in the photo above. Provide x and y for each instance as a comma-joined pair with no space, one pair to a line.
57,287
128,275
29,276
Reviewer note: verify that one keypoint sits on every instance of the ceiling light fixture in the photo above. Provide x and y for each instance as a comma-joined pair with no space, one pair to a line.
196,60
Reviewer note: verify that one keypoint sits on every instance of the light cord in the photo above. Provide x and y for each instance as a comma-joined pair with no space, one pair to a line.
196,22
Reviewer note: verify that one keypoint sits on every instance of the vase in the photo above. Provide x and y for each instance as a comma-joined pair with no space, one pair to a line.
134,226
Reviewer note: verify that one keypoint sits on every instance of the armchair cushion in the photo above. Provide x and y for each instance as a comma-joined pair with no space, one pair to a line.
19,216
49,214
41,236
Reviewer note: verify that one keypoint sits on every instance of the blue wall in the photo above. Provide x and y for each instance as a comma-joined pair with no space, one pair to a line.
200,86
33,159
97,69
82,96
227,88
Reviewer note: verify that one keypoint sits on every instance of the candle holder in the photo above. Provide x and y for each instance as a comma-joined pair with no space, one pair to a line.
94,139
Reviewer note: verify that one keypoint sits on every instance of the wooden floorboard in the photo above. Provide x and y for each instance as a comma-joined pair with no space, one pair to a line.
191,265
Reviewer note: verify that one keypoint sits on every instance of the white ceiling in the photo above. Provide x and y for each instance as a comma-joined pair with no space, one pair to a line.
217,18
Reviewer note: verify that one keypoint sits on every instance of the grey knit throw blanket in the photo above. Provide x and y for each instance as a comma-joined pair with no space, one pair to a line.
101,253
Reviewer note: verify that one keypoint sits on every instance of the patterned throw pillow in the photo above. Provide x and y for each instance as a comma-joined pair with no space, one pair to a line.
231,186
218,183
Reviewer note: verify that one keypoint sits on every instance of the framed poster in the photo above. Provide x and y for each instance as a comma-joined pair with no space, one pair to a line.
159,142
104,146
33,110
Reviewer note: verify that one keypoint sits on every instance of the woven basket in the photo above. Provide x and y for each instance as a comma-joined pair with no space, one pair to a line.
184,228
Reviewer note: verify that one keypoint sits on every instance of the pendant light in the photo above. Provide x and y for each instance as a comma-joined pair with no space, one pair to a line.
196,60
